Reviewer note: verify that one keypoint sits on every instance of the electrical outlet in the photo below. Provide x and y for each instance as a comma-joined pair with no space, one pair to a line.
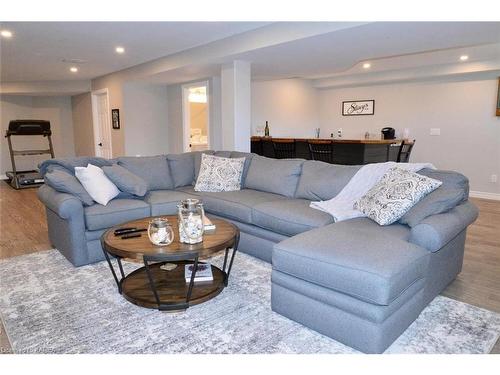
493,178
435,131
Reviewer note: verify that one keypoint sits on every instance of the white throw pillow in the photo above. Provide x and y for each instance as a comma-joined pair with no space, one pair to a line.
397,191
99,187
219,174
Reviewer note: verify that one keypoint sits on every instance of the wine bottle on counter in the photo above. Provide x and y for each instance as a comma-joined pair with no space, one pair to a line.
266,130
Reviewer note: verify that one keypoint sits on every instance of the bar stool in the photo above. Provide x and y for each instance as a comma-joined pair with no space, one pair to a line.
284,148
321,149
405,151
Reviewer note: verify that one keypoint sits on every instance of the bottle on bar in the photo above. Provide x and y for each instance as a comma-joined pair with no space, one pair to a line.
266,130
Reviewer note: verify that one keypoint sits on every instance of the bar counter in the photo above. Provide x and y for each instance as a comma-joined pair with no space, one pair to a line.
345,151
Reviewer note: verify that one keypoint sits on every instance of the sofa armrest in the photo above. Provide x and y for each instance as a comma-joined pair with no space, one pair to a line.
63,204
437,230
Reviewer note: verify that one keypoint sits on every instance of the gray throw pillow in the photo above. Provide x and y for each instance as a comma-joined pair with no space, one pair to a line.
453,191
65,182
152,169
219,174
125,180
396,192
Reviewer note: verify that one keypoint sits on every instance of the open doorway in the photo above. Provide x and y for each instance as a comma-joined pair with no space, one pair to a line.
196,117
101,116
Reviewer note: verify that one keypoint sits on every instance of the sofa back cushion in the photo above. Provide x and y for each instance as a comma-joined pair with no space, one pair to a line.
181,168
322,181
453,191
278,176
248,158
152,169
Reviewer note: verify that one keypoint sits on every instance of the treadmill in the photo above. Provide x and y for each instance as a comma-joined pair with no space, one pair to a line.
26,179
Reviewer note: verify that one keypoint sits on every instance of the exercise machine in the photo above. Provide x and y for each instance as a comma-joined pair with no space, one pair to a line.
25,179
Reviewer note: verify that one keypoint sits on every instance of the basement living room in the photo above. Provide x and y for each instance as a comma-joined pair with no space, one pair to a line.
250,187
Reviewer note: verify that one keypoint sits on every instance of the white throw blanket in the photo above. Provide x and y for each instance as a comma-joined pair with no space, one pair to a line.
341,206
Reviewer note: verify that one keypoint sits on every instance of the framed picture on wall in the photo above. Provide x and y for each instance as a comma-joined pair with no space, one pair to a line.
358,107
498,98
115,118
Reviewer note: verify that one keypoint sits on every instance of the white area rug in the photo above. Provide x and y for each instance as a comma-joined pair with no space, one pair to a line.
48,306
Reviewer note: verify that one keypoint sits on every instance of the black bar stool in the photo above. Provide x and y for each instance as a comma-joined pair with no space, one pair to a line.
284,148
405,151
321,149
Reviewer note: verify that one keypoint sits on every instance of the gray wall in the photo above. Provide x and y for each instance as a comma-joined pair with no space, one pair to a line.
56,109
83,125
145,115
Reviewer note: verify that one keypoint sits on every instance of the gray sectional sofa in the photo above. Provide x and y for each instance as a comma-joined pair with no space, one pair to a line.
355,281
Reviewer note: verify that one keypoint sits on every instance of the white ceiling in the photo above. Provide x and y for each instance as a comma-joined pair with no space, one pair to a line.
36,50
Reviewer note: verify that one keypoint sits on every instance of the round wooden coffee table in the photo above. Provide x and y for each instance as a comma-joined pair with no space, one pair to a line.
153,287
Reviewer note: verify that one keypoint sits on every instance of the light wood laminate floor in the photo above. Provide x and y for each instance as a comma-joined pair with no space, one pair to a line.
23,230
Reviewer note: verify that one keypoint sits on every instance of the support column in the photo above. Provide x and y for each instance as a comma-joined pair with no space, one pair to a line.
236,106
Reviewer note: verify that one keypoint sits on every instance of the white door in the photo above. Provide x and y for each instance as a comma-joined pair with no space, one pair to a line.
102,124
196,116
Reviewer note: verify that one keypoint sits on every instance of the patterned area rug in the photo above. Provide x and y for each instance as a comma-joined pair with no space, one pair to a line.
48,306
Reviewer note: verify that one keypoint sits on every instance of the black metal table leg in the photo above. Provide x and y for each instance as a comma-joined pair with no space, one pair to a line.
235,249
118,282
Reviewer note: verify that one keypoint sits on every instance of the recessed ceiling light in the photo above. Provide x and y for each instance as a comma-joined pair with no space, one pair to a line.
120,50
73,69
6,33
367,66
464,57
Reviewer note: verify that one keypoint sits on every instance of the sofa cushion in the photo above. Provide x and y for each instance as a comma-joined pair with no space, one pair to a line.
152,169
181,168
125,180
248,158
236,205
289,216
219,173
453,191
97,184
65,182
115,212
197,162
278,176
356,257
164,202
322,181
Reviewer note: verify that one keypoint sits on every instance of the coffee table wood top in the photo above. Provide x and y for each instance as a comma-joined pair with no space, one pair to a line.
134,248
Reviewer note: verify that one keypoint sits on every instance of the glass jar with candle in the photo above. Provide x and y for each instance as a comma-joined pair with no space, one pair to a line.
190,216
160,232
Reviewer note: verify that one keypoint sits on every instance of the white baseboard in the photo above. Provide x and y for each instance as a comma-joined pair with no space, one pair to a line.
485,195
3,176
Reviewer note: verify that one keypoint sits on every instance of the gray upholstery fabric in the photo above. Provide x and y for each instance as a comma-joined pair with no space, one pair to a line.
321,181
125,180
117,211
235,205
64,205
164,202
181,168
352,305
222,154
437,230
289,216
248,158
354,257
152,169
342,326
70,163
65,182
197,162
453,191
278,176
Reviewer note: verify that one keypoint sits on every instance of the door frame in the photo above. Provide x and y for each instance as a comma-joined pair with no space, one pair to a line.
95,120
186,113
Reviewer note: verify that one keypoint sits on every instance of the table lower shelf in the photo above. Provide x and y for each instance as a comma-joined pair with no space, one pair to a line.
171,286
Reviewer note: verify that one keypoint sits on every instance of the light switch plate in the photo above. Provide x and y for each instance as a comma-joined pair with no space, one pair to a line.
435,131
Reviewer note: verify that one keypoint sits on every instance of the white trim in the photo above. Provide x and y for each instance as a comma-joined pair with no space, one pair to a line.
95,120
3,176
185,113
485,195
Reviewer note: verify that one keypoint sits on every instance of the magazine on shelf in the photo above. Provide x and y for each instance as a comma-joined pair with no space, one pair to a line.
203,272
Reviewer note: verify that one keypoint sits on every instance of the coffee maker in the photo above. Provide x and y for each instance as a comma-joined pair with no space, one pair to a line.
388,133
